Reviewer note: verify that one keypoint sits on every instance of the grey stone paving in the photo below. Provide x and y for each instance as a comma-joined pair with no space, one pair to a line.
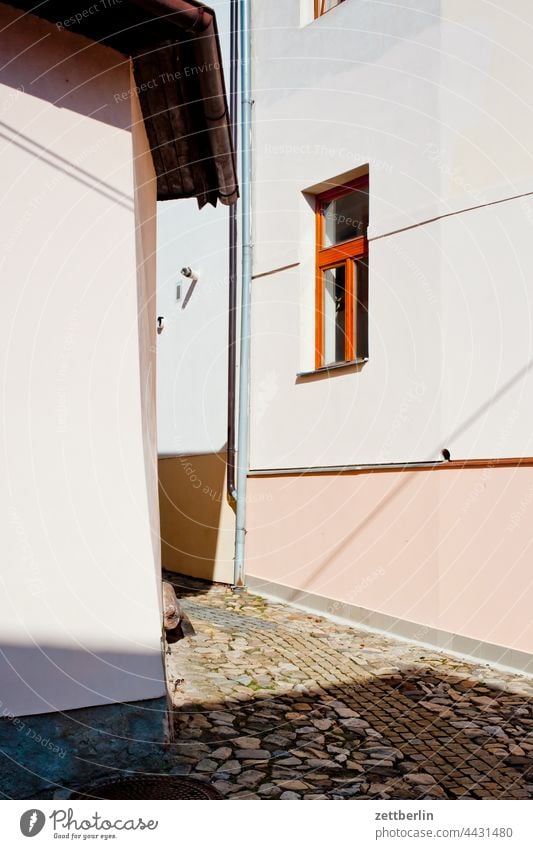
274,703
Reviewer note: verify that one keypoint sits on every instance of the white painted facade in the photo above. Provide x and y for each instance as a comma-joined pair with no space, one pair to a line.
197,521
436,99
192,349
192,363
80,610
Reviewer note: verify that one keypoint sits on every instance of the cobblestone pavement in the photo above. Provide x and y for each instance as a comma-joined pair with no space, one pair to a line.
274,703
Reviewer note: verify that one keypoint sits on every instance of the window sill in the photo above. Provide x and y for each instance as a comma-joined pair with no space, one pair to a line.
336,367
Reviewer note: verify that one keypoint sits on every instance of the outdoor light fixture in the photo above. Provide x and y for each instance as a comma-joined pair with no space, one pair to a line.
190,274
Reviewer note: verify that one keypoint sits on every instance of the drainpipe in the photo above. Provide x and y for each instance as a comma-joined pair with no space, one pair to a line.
233,234
246,292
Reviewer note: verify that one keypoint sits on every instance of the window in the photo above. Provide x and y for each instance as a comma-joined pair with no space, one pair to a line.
341,329
323,6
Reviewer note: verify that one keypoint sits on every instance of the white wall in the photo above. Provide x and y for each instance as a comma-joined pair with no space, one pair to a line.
80,603
436,97
192,350
192,365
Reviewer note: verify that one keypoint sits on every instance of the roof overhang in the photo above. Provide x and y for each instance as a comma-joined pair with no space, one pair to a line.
177,64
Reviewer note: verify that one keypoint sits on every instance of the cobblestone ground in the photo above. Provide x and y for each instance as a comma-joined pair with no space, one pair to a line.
273,703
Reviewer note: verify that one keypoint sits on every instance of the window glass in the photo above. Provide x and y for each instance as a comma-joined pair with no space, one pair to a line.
325,5
361,308
346,217
334,315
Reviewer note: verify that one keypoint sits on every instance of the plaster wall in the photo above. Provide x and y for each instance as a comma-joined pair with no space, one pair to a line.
436,99
192,370
446,549
197,522
80,605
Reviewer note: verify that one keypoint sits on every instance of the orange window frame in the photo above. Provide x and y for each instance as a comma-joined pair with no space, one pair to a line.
342,254
320,10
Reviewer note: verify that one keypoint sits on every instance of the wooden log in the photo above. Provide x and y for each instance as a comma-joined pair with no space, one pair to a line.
172,612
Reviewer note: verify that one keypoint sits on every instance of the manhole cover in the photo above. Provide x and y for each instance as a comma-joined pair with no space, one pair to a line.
149,787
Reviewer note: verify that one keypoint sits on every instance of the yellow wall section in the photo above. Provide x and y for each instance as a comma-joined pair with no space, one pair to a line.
197,523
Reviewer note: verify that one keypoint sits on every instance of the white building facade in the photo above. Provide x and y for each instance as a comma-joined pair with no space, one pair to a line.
82,679
84,183
396,488
197,520
434,98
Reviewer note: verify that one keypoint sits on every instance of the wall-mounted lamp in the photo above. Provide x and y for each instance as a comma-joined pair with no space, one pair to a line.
190,274
193,276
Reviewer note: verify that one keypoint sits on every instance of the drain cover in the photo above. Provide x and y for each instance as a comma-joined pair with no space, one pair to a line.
149,787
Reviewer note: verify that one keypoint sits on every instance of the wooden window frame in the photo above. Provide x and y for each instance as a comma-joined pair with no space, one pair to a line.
319,8
341,254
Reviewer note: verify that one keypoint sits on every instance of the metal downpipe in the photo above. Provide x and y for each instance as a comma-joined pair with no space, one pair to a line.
246,287
233,263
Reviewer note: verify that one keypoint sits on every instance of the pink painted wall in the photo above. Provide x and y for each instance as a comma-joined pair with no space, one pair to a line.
449,549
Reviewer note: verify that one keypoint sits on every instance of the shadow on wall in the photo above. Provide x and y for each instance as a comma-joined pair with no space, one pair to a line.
50,754
31,74
197,521
37,678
